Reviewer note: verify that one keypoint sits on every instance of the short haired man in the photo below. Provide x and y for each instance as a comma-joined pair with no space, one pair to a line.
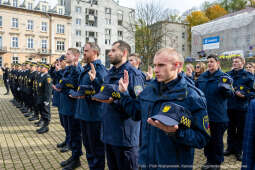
243,83
161,144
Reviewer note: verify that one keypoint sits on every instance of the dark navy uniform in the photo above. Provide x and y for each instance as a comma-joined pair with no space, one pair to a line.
90,114
43,100
120,133
158,149
216,98
237,109
6,72
69,81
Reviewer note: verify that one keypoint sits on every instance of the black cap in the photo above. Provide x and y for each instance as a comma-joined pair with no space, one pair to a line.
172,114
107,91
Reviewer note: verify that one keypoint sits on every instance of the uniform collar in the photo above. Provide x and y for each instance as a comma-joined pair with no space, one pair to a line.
121,68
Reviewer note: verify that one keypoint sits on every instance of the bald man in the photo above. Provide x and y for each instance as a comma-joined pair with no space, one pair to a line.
165,146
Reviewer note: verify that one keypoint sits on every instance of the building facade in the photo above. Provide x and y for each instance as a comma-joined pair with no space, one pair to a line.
32,32
174,35
232,34
100,21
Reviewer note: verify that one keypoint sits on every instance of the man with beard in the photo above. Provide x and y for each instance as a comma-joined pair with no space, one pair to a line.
120,134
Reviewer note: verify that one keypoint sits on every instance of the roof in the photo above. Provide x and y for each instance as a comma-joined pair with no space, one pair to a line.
230,21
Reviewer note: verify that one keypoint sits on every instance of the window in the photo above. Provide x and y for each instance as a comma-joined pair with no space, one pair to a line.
62,2
30,6
44,44
108,21
44,26
15,42
78,21
44,8
30,25
1,21
15,3
15,59
183,35
120,35
107,42
107,31
60,45
78,9
1,61
15,23
30,59
60,29
30,43
1,42
60,11
78,44
183,47
107,10
78,32
44,60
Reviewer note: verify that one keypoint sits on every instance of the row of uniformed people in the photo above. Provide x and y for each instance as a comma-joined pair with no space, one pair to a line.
120,128
31,87
227,105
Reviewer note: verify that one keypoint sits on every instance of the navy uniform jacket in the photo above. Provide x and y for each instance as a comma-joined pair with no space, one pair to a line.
216,97
67,104
118,129
44,88
248,162
246,80
56,76
86,109
157,147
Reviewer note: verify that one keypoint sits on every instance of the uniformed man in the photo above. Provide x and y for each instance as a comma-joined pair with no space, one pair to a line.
6,72
164,146
89,112
31,78
120,133
44,98
217,87
243,83
35,92
68,82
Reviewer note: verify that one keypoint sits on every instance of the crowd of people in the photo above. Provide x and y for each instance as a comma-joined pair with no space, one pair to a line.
138,120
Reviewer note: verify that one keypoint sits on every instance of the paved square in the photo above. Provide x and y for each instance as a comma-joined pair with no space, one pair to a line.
22,148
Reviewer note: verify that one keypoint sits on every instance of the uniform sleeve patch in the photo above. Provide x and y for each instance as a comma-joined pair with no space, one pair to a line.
49,80
138,90
206,124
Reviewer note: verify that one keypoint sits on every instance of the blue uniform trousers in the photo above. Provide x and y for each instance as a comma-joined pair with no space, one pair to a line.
94,147
122,158
236,130
215,147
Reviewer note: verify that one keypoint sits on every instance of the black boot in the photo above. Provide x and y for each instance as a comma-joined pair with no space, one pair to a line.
72,165
39,123
61,145
33,118
228,152
66,162
64,149
43,129
239,157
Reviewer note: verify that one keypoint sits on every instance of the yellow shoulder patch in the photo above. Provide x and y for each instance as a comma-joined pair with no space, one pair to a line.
102,89
49,80
224,80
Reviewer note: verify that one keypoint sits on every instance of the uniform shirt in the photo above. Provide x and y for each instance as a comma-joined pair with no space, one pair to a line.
119,129
157,147
216,97
241,78
86,109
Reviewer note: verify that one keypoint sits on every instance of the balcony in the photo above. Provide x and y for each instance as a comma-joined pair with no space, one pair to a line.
43,52
3,50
